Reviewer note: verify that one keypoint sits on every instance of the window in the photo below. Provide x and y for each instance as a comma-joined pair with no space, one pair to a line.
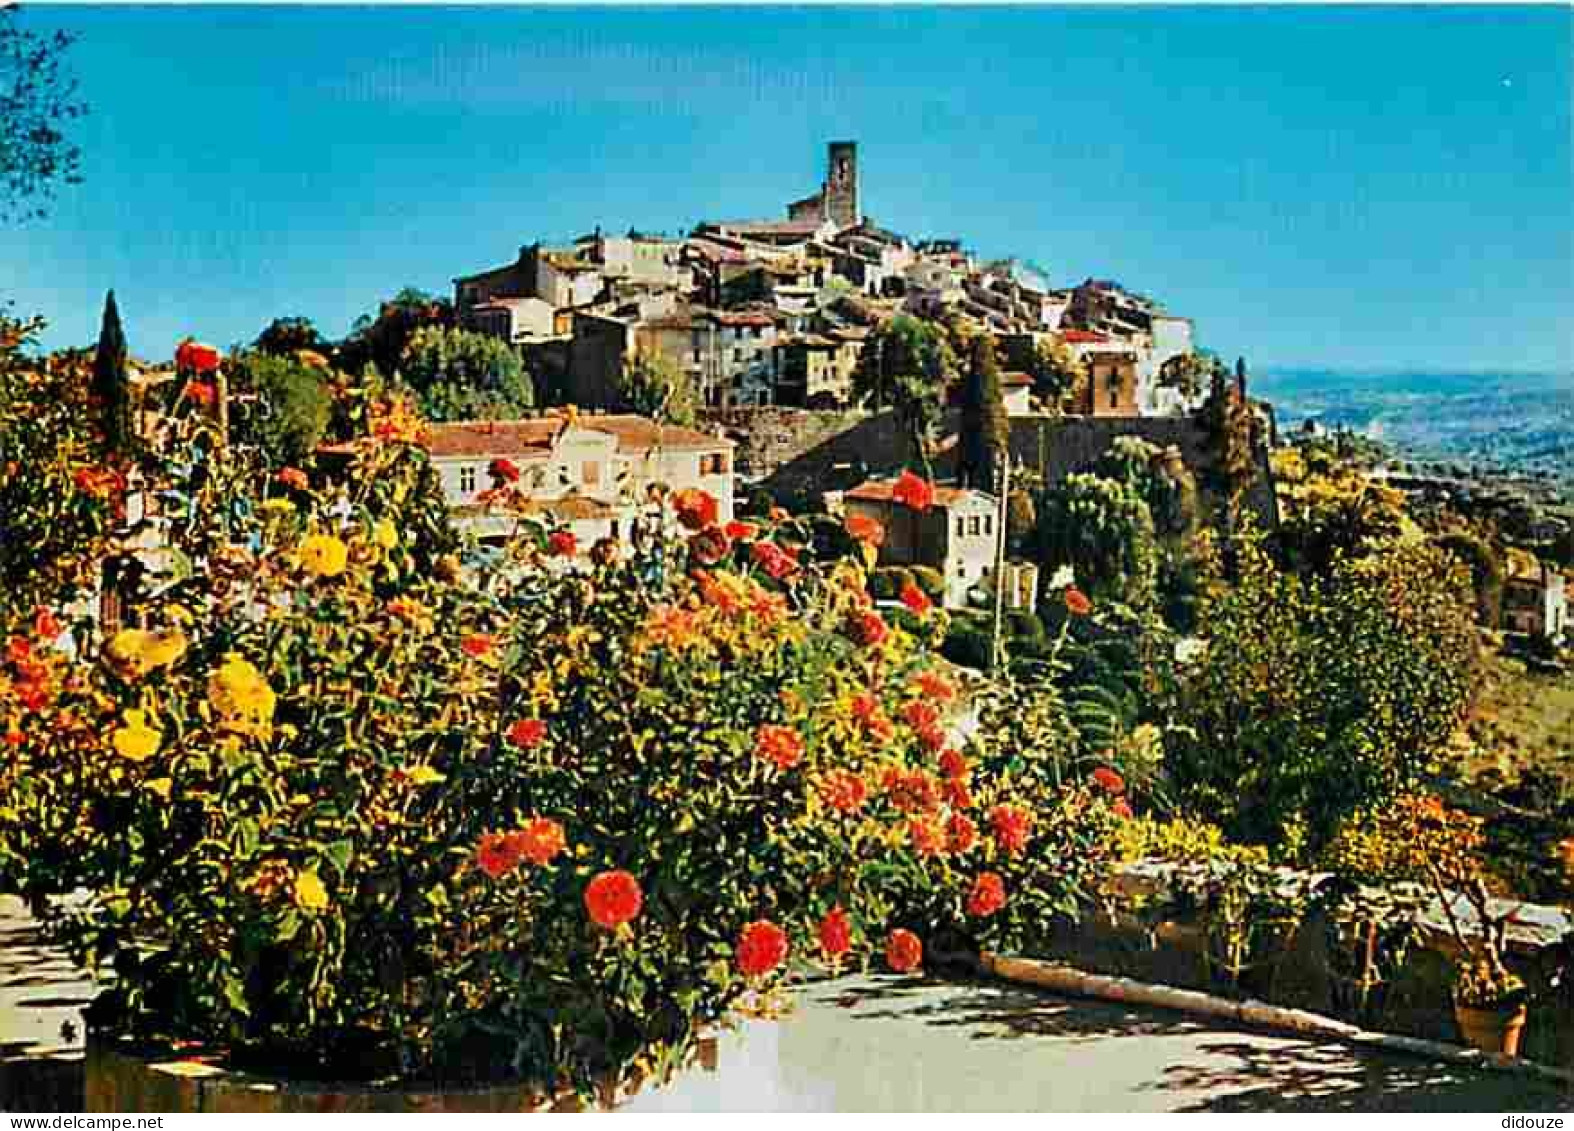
989,524
1114,388
961,526
974,525
713,464
591,473
467,479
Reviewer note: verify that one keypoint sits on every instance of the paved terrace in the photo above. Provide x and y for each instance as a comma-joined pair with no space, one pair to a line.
886,1043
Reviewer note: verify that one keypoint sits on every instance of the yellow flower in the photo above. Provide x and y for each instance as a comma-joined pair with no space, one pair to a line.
141,651
136,740
240,694
384,534
310,895
323,555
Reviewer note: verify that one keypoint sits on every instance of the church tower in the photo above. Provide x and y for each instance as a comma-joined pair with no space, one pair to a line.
841,185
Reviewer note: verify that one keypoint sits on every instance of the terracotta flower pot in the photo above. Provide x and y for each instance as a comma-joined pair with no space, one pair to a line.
1494,1029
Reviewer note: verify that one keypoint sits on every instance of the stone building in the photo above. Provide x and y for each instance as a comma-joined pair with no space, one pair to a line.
837,200
956,536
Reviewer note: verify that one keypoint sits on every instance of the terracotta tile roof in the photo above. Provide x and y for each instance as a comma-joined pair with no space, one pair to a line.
639,433
512,438
880,492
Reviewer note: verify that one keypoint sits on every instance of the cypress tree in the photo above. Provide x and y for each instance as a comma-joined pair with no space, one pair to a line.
111,382
985,427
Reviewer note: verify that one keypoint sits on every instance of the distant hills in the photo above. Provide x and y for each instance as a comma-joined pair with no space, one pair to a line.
1519,422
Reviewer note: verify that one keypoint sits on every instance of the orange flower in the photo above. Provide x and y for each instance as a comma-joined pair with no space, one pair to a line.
870,629
987,897
1566,854
911,491
741,531
773,559
1077,603
835,934
952,764
497,854
864,529
903,951
777,514
696,509
928,838
562,544
477,644
912,791
1011,827
45,625
527,733
960,833
935,686
956,793
1109,781
1121,808
200,392
779,744
293,477
844,791
762,946
612,899
932,738
916,600
540,841
920,714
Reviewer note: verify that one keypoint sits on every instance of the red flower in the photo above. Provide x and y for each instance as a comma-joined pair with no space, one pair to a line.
779,744
497,854
844,791
956,793
987,897
870,629
916,600
960,833
527,733
562,544
612,899
539,841
1121,809
1109,781
196,357
928,838
1011,827
903,951
696,509
864,529
18,650
709,546
45,626
741,531
920,714
762,946
911,491
1077,603
952,764
935,686
773,559
835,933
932,738
293,477
14,738
477,644
913,791
200,392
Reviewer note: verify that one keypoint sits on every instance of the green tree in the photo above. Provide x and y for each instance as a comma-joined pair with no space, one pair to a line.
1486,572
381,340
279,405
37,98
1059,376
985,428
111,382
1102,529
287,336
1320,695
652,385
460,374
907,365
1186,373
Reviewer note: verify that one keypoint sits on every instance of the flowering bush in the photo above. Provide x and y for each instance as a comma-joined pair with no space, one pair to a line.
348,803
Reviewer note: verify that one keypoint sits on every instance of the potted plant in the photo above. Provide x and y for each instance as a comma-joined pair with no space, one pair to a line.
1489,999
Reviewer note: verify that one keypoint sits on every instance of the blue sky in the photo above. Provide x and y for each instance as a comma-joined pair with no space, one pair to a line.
1358,187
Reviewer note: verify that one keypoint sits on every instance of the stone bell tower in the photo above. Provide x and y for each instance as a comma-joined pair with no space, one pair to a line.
841,184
